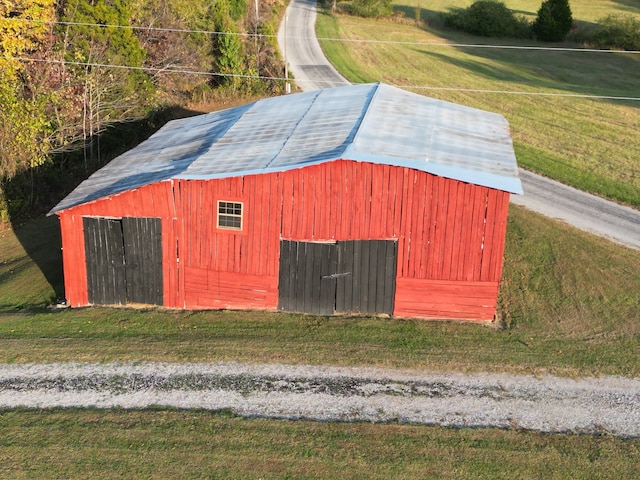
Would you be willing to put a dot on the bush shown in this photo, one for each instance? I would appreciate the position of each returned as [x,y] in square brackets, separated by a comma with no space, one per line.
[554,21]
[618,31]
[371,8]
[487,18]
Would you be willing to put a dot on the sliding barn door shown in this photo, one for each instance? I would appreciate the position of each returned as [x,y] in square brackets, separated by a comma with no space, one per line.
[368,280]
[307,281]
[344,277]
[104,251]
[143,259]
[124,260]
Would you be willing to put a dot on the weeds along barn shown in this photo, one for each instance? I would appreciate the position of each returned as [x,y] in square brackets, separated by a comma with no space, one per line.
[363,198]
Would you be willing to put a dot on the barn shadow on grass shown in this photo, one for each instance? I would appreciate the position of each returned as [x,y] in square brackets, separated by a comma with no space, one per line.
[40,238]
[32,194]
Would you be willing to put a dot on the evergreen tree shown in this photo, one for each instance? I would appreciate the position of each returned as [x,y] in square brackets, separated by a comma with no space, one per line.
[228,51]
[554,21]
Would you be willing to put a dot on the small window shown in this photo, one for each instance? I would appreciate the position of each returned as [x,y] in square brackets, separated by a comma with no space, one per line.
[230,215]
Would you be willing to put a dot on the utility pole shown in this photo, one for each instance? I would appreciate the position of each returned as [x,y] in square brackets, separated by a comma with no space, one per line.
[256,39]
[287,86]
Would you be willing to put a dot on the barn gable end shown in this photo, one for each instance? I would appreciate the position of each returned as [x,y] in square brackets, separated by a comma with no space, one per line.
[432,245]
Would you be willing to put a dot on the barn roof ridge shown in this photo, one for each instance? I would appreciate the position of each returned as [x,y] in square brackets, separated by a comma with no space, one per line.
[370,100]
[372,122]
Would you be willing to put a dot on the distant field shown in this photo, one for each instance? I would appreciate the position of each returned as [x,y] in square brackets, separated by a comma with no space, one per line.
[583,10]
[591,144]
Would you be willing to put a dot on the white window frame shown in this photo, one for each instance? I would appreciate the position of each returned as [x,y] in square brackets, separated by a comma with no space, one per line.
[233,211]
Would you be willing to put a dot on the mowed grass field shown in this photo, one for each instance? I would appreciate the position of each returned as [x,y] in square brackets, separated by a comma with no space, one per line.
[570,305]
[589,143]
[174,444]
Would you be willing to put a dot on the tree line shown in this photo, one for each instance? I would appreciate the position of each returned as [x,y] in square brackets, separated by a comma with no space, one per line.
[71,68]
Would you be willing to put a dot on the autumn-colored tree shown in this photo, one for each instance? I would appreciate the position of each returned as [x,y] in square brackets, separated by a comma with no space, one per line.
[107,59]
[23,24]
[24,127]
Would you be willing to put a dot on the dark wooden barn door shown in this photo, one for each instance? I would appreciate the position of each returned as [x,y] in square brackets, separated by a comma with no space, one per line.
[368,283]
[143,259]
[347,276]
[124,260]
[104,250]
[307,280]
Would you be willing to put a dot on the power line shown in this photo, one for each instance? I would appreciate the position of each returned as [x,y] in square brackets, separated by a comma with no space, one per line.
[134,27]
[330,39]
[144,69]
[512,92]
[479,45]
[260,77]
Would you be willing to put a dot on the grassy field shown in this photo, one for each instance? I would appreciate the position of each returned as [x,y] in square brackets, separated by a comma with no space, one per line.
[161,444]
[588,143]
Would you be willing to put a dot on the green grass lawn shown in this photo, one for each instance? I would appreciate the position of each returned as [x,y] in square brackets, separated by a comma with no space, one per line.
[163,444]
[588,143]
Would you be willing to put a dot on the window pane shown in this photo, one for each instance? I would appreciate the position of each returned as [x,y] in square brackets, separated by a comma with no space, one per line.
[230,215]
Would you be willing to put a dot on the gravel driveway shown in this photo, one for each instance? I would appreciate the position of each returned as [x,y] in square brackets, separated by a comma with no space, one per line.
[548,404]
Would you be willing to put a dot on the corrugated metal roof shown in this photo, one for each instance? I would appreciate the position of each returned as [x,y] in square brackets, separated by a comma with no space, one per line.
[370,122]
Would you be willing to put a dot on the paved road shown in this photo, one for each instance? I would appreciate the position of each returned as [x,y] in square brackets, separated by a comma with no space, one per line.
[312,71]
[302,52]
[592,214]
[549,404]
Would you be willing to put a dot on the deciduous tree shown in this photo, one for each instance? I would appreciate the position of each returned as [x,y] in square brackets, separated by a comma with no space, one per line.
[24,127]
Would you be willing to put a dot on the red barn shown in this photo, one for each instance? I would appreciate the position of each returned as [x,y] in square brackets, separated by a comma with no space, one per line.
[365,199]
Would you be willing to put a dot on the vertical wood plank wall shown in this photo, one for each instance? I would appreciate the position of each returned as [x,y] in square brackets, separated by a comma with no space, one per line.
[450,234]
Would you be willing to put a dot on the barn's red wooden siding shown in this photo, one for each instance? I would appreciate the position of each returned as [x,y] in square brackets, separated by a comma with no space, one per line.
[156,200]
[450,234]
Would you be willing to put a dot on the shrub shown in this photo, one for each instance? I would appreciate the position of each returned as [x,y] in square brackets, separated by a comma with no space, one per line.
[554,21]
[371,8]
[618,31]
[487,18]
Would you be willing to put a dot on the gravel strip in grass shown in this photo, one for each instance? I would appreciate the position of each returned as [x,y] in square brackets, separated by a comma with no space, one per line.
[548,403]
